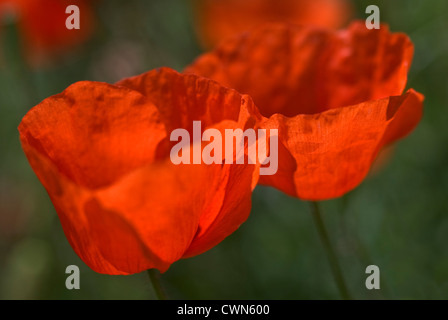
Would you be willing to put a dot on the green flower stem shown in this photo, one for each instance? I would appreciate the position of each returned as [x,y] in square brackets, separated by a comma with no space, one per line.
[331,255]
[154,276]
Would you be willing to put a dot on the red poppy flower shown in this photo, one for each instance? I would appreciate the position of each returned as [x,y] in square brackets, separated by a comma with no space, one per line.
[102,153]
[220,19]
[335,97]
[42,25]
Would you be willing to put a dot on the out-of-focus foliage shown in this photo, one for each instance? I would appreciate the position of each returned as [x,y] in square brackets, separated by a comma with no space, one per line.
[397,219]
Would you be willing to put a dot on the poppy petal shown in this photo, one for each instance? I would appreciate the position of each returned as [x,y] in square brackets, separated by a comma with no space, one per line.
[165,89]
[334,150]
[94,132]
[72,204]
[166,215]
[233,210]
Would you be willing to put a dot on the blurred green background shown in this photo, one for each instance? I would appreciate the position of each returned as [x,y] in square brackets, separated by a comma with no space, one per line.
[397,219]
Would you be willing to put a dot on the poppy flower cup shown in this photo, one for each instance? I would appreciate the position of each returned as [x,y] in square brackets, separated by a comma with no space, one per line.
[336,98]
[218,20]
[103,154]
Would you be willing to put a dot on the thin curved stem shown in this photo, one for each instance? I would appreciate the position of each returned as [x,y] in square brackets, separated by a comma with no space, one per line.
[154,276]
[331,255]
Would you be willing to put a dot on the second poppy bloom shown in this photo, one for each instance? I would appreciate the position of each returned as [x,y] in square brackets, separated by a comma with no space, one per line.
[336,98]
